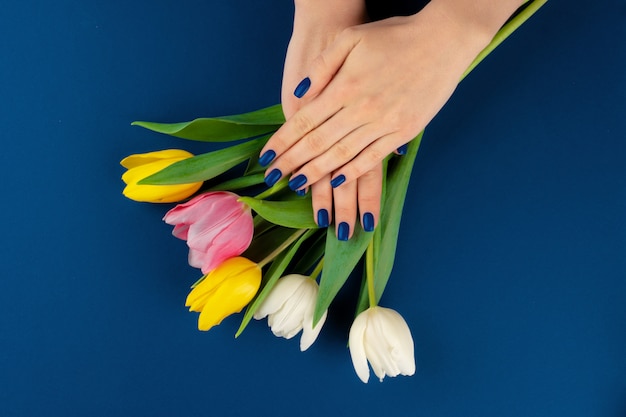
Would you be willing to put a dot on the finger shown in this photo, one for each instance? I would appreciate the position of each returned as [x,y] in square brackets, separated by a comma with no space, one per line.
[323,68]
[367,159]
[302,122]
[345,203]
[338,155]
[327,64]
[322,198]
[402,150]
[334,136]
[369,191]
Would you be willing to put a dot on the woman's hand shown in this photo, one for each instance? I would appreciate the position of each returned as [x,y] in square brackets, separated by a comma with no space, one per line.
[316,26]
[376,87]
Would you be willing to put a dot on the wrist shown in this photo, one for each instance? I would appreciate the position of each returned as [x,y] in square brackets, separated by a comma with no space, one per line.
[479,20]
[329,14]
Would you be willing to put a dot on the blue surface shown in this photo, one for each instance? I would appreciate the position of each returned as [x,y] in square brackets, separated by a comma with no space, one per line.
[511,270]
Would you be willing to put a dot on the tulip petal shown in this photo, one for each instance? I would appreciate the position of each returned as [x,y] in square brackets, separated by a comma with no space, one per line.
[287,321]
[154,193]
[216,227]
[310,333]
[227,289]
[283,289]
[136,160]
[398,336]
[357,347]
[229,298]
[377,346]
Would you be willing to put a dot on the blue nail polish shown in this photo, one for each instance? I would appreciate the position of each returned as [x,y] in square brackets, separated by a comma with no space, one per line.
[336,182]
[273,177]
[402,149]
[343,231]
[322,218]
[267,157]
[297,182]
[368,222]
[301,192]
[302,88]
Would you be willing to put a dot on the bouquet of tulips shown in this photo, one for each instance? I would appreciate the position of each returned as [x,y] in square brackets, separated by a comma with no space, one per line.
[260,249]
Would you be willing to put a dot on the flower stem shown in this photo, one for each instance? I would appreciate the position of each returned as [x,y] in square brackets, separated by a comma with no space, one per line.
[269,258]
[369,273]
[505,31]
[317,270]
[273,190]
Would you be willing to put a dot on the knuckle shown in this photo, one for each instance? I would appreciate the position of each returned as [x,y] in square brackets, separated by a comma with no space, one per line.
[374,156]
[313,173]
[320,63]
[315,141]
[287,163]
[303,123]
[343,151]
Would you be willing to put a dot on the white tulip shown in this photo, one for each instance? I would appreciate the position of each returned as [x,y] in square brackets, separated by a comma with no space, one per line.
[290,306]
[381,336]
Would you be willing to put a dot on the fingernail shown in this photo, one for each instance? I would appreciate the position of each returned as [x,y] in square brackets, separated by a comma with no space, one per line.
[336,182]
[273,177]
[368,222]
[322,218]
[402,149]
[297,182]
[301,192]
[267,157]
[302,88]
[343,231]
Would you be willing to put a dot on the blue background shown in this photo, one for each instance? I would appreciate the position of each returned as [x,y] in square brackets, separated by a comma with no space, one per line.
[511,268]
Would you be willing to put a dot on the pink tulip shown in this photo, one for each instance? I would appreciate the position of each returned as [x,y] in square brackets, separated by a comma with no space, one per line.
[216,227]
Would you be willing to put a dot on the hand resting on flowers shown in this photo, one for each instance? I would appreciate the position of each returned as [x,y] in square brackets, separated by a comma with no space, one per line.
[373,89]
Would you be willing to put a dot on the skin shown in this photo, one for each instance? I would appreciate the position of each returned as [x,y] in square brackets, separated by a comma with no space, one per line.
[374,87]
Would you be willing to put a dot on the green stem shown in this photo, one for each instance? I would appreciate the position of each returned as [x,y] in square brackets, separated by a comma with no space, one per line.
[269,258]
[273,190]
[317,270]
[504,33]
[369,273]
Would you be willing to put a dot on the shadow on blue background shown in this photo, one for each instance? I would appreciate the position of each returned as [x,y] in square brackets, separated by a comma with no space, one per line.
[511,269]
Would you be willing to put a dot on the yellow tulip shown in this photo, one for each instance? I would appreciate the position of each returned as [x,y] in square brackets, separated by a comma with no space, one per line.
[224,291]
[143,165]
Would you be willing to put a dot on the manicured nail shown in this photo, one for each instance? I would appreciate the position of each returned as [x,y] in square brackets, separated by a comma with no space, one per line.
[322,218]
[297,182]
[302,88]
[267,157]
[402,149]
[368,222]
[343,231]
[301,192]
[336,182]
[273,177]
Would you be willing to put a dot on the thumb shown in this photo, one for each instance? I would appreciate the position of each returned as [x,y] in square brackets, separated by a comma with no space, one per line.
[326,65]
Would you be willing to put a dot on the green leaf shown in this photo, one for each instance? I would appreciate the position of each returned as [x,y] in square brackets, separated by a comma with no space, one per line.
[297,214]
[206,166]
[271,277]
[223,129]
[339,261]
[264,244]
[398,176]
[239,183]
[313,254]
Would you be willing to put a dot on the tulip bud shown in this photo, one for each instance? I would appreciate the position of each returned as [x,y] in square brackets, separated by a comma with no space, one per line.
[381,336]
[224,291]
[290,306]
[141,166]
[216,226]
